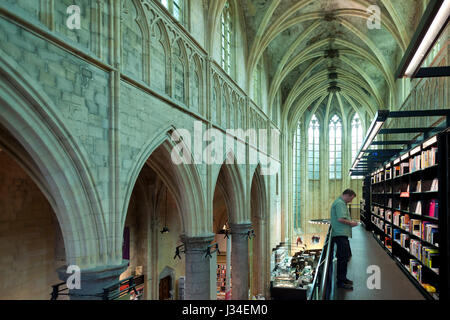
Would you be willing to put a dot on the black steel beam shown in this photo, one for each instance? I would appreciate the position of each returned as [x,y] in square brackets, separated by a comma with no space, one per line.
[383,151]
[390,142]
[419,113]
[432,72]
[403,130]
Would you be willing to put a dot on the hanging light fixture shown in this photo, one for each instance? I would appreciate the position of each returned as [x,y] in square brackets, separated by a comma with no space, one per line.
[165,229]
[431,26]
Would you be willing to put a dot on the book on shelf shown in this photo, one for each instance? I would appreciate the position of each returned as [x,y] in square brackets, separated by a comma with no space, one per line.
[418,207]
[375,210]
[404,168]
[430,257]
[433,206]
[396,171]
[419,186]
[388,229]
[429,158]
[415,227]
[435,185]
[415,248]
[404,241]
[390,203]
[414,163]
[404,222]
[388,242]
[396,234]
[419,273]
[414,267]
[387,174]
[430,232]
[397,216]
[389,215]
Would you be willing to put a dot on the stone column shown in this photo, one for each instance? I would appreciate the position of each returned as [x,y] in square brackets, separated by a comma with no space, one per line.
[92,281]
[239,261]
[198,268]
[228,270]
[260,254]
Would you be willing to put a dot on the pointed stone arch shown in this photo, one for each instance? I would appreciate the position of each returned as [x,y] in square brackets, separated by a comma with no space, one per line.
[48,152]
[160,49]
[231,182]
[183,180]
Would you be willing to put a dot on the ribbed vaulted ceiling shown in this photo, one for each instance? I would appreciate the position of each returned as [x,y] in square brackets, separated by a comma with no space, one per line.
[312,45]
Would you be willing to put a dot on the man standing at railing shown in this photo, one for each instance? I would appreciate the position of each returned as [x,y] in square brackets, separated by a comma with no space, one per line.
[342,225]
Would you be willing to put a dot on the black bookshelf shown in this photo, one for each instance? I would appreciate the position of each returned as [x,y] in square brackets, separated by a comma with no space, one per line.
[402,198]
[365,204]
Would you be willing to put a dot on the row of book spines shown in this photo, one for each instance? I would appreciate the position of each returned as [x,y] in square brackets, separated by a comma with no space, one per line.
[433,209]
[428,256]
[415,268]
[426,159]
[425,230]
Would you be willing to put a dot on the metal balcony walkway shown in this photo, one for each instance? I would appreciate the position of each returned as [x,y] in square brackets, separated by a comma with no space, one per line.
[395,285]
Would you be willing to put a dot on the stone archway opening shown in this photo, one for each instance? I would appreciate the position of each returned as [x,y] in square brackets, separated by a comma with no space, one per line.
[223,238]
[31,242]
[153,227]
[231,234]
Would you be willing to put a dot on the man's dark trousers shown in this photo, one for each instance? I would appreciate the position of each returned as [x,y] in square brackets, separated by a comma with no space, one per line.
[343,254]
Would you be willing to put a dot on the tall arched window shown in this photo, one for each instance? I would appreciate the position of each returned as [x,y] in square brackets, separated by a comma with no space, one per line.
[176,8]
[335,140]
[313,149]
[357,135]
[226,38]
[296,176]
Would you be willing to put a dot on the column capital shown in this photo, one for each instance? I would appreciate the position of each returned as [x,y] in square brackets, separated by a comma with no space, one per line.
[240,228]
[196,243]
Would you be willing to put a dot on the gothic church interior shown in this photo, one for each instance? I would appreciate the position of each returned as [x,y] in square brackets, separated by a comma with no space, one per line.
[169,139]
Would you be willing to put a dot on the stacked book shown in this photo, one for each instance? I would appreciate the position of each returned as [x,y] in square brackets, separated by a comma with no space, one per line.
[430,233]
[404,222]
[415,248]
[430,258]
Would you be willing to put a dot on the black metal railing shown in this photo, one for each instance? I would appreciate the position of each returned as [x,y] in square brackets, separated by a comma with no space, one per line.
[322,287]
[129,288]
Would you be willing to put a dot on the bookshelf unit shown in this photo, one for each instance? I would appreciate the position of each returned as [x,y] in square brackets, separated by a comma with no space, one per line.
[408,213]
[221,280]
[365,204]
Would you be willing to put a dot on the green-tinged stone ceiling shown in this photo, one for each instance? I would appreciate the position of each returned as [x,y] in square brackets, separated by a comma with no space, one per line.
[306,42]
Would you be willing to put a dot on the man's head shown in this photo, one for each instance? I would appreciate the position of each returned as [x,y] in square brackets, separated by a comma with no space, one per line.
[348,195]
